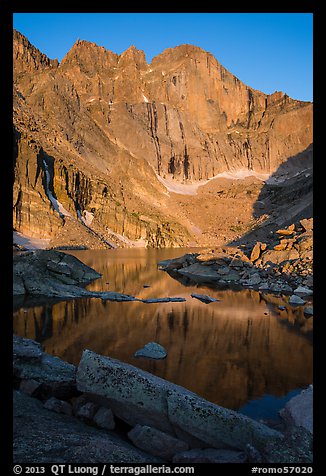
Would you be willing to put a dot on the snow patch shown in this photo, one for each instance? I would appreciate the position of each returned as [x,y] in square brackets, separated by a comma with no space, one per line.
[56,204]
[86,218]
[132,243]
[241,174]
[145,98]
[29,242]
[91,100]
[192,189]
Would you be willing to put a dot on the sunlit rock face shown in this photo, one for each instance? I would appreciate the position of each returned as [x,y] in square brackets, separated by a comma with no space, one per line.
[109,127]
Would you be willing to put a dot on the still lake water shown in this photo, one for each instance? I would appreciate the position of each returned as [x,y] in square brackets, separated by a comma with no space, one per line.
[242,352]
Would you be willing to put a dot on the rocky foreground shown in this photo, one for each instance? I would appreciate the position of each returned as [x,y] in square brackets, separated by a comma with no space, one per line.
[107,411]
[283,265]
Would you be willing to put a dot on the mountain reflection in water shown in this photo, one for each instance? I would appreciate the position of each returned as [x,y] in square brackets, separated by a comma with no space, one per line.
[229,352]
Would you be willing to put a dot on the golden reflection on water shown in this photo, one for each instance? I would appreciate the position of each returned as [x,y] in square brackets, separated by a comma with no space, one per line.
[229,352]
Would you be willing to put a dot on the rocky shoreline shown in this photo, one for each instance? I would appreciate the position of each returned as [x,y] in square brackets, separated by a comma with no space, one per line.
[284,265]
[108,411]
[105,410]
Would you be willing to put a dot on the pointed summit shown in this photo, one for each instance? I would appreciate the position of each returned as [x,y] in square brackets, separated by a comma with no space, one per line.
[132,54]
[89,57]
[27,57]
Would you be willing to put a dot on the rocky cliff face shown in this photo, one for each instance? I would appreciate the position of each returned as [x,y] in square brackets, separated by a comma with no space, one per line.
[97,134]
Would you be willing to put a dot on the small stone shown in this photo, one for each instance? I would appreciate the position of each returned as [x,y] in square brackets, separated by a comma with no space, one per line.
[275,288]
[296,300]
[87,411]
[30,387]
[286,288]
[236,263]
[280,247]
[254,279]
[104,418]
[156,442]
[256,251]
[58,406]
[224,270]
[303,290]
[210,455]
[264,286]
[308,311]
[307,224]
[152,350]
[232,276]
[285,232]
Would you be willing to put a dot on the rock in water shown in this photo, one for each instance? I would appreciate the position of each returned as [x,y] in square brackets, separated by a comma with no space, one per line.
[152,350]
[51,273]
[204,298]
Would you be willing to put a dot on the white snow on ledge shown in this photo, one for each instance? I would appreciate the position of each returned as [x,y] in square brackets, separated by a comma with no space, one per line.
[29,242]
[192,188]
[141,243]
[145,98]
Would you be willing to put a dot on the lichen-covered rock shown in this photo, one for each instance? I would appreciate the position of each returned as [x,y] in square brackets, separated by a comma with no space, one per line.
[139,397]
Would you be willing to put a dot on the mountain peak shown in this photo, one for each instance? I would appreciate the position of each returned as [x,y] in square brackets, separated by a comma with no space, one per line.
[28,57]
[89,56]
[133,55]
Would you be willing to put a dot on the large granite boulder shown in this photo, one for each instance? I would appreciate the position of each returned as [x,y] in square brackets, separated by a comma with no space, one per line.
[299,410]
[138,397]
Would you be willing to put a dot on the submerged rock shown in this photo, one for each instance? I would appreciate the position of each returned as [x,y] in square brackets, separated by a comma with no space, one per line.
[152,350]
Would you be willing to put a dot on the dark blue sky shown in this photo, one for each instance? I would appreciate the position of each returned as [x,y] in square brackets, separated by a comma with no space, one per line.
[268,51]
